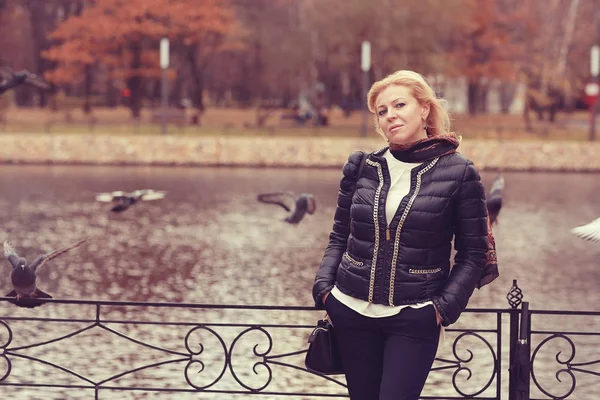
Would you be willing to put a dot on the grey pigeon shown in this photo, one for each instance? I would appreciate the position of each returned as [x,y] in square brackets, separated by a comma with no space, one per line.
[297,206]
[494,199]
[589,231]
[24,276]
[10,79]
[124,200]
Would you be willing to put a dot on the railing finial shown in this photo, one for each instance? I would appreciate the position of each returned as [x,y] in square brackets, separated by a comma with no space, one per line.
[515,295]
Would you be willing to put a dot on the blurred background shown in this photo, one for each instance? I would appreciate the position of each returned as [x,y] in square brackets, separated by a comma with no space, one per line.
[515,67]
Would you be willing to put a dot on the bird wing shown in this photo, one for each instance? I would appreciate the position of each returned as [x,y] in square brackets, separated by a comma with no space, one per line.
[9,250]
[11,254]
[148,194]
[25,76]
[589,231]
[11,82]
[53,254]
[497,186]
[35,80]
[287,200]
[112,196]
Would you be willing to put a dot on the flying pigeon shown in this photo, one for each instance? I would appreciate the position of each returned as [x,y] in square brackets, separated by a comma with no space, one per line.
[125,200]
[23,276]
[589,231]
[494,199]
[10,79]
[297,206]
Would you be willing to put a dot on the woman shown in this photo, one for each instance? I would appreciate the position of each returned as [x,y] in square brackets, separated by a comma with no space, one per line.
[385,278]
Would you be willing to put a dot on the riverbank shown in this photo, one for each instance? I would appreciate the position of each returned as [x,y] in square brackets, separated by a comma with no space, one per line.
[320,152]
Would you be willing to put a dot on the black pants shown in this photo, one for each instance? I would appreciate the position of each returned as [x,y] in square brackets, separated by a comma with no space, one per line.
[385,358]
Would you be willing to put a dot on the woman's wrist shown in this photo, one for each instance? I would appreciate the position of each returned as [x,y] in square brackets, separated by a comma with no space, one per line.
[438,316]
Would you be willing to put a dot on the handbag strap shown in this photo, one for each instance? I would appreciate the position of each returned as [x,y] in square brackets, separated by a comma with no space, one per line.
[359,173]
[361,166]
[360,169]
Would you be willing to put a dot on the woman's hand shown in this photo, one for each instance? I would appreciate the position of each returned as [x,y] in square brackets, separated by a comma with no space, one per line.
[325,298]
[438,316]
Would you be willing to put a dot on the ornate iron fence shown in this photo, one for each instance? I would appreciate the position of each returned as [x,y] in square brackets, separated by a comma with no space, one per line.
[569,349]
[95,349]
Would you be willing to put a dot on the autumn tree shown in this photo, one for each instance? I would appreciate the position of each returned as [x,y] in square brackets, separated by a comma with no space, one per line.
[483,47]
[123,36]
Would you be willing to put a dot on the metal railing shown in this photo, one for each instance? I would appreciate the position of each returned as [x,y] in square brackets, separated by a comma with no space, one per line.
[101,347]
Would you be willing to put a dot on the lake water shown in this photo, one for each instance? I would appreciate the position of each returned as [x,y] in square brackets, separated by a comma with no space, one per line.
[211,242]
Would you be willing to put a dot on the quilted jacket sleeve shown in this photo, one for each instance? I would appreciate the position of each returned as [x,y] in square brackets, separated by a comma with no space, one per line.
[471,244]
[338,237]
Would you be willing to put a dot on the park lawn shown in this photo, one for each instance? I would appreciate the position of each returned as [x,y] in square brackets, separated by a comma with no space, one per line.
[233,122]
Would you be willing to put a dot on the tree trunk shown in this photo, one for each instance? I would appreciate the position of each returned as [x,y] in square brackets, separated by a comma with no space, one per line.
[112,94]
[134,82]
[40,23]
[87,88]
[472,97]
[176,94]
[197,78]
[483,90]
[567,38]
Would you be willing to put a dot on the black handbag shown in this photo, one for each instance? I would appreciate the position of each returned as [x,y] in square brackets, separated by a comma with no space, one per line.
[323,356]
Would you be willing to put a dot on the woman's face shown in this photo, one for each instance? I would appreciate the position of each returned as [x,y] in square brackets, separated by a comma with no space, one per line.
[400,116]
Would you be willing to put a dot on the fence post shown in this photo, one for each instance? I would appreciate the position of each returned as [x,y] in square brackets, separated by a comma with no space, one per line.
[515,298]
[524,359]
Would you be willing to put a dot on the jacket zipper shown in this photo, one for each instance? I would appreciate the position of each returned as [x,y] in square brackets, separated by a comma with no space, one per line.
[376,222]
[399,229]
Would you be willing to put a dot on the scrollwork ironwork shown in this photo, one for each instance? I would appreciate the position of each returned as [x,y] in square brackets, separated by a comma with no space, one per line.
[257,353]
[3,346]
[561,371]
[461,361]
[242,355]
[193,354]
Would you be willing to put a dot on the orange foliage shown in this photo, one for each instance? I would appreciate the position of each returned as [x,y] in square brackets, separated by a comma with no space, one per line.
[491,41]
[111,31]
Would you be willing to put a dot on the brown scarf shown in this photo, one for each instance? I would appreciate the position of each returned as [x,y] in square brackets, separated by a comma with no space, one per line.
[425,149]
[490,271]
[436,146]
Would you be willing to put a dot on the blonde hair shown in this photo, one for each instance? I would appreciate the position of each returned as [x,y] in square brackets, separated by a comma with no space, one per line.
[438,120]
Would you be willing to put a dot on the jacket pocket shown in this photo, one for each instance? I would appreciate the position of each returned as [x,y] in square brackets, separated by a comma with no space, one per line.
[421,271]
[355,266]
[353,261]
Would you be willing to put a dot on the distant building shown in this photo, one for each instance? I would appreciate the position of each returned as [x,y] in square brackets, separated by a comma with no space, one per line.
[454,90]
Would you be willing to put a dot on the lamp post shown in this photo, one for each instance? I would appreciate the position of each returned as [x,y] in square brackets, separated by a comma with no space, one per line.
[164,64]
[365,66]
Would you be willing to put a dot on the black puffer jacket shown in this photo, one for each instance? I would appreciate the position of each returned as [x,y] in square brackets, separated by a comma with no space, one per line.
[411,253]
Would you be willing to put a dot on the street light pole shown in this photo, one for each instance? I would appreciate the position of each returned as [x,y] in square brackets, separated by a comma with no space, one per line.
[164,65]
[365,66]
